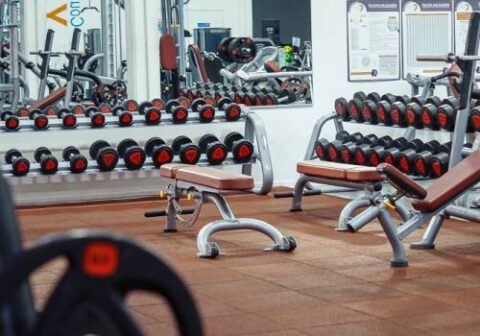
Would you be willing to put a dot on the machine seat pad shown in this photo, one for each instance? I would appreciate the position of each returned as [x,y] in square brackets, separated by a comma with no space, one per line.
[50,99]
[209,177]
[458,179]
[339,171]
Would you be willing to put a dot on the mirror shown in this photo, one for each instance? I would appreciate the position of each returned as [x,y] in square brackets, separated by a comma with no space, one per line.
[256,52]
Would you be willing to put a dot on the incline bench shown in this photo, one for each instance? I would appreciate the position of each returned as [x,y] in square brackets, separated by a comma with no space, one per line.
[341,175]
[203,185]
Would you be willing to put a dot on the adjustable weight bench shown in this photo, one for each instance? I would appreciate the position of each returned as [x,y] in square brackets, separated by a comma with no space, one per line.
[435,203]
[204,185]
[341,175]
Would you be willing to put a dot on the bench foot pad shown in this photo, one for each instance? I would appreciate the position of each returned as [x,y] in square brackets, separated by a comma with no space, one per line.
[422,246]
[399,264]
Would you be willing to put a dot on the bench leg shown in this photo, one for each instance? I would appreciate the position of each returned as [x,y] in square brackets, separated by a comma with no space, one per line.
[364,218]
[298,194]
[399,257]
[350,208]
[428,239]
[208,249]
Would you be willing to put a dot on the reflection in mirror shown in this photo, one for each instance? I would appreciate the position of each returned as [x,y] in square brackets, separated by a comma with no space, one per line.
[246,50]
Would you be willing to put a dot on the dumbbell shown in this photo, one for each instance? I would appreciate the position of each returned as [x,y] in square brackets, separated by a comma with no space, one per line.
[369,108]
[178,111]
[153,115]
[105,108]
[233,111]
[69,120]
[408,158]
[384,107]
[392,154]
[322,145]
[133,155]
[40,121]
[286,96]
[158,103]
[125,118]
[159,151]
[78,162]
[12,123]
[130,105]
[51,111]
[241,148]
[363,153]
[342,105]
[205,108]
[20,165]
[430,111]
[399,109]
[414,111]
[348,149]
[215,150]
[48,162]
[23,112]
[188,152]
[104,154]
[355,106]
[474,118]
[97,119]
[78,109]
[335,148]
[422,162]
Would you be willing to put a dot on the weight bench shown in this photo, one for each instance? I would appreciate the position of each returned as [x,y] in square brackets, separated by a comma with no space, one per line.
[341,175]
[433,203]
[204,185]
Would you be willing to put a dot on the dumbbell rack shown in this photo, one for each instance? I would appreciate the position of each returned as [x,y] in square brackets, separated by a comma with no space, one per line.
[65,187]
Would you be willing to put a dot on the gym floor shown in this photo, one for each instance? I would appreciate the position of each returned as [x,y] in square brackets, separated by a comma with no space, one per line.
[333,284]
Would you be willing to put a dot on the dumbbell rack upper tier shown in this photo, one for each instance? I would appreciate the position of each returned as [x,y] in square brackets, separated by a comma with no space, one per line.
[254,131]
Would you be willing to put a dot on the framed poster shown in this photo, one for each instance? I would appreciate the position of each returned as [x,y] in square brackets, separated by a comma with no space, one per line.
[373,40]
[427,30]
[462,12]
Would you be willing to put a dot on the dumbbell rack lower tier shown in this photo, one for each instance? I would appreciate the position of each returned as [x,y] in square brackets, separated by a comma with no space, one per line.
[93,185]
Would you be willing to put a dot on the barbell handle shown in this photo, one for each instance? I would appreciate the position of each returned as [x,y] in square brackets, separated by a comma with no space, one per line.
[436,58]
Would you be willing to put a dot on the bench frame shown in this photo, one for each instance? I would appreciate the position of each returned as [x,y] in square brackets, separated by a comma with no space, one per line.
[200,194]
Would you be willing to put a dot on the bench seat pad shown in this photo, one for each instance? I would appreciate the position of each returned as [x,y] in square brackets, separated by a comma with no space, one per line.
[207,176]
[339,171]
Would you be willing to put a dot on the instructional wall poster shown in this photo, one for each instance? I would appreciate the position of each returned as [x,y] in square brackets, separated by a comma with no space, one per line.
[427,30]
[373,40]
[462,11]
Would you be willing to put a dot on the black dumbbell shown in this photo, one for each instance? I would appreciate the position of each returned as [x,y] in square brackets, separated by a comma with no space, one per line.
[392,154]
[159,151]
[125,118]
[371,144]
[12,123]
[133,155]
[414,112]
[286,96]
[321,149]
[78,163]
[348,149]
[188,152]
[23,112]
[97,118]
[78,109]
[48,162]
[130,105]
[407,158]
[355,106]
[104,154]
[398,112]
[475,119]
[430,111]
[422,162]
[40,120]
[215,150]
[233,111]
[153,115]
[341,109]
[241,148]
[336,149]
[158,103]
[179,113]
[369,108]
[20,165]
[51,111]
[206,110]
[69,120]
[384,108]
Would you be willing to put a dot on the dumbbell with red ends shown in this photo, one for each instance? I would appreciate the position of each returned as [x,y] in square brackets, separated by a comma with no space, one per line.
[132,154]
[414,111]
[178,111]
[341,105]
[335,150]
[97,118]
[205,108]
[440,162]
[430,111]
[159,151]
[370,107]
[447,117]
[48,162]
[40,120]
[215,150]
[407,158]
[392,154]
[398,111]
[233,111]
[422,162]
[20,165]
[474,119]
[153,115]
[12,122]
[347,149]
[384,108]
[23,112]
[355,106]
[77,162]
[371,144]
[241,148]
[69,120]
[104,154]
[125,118]
[130,105]
[188,152]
